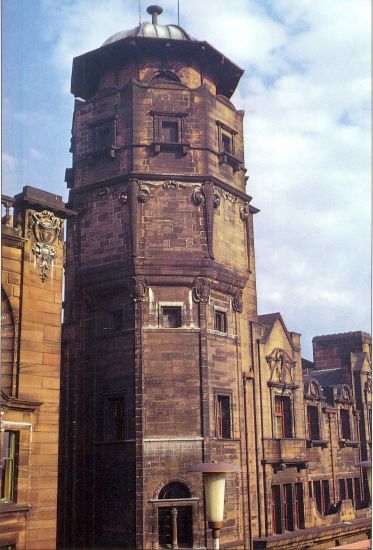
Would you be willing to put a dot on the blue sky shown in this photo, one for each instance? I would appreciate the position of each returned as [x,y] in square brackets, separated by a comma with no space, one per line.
[306,95]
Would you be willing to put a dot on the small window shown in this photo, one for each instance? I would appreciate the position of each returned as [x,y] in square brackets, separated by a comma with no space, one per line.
[283,417]
[287,495]
[221,321]
[350,489]
[169,131]
[318,495]
[299,506]
[116,418]
[357,491]
[226,143]
[9,466]
[171,317]
[345,423]
[223,416]
[342,489]
[310,492]
[104,136]
[276,510]
[313,423]
[325,496]
[116,319]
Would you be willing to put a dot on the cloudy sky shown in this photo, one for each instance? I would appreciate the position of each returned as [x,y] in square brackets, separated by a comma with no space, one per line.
[306,95]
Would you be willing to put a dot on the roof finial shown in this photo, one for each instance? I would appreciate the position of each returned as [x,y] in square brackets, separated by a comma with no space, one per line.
[154,11]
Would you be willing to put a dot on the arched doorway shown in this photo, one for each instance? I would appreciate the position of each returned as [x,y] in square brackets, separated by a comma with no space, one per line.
[175,521]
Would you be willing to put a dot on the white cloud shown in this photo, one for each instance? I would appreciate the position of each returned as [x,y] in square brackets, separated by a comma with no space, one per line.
[35,154]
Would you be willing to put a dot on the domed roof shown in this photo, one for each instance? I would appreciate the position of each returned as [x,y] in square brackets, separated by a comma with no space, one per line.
[148,30]
[151,30]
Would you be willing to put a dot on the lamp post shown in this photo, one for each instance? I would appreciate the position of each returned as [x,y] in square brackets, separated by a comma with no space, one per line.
[367,467]
[214,483]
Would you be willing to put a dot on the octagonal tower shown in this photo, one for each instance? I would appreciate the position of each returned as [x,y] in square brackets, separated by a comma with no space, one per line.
[160,291]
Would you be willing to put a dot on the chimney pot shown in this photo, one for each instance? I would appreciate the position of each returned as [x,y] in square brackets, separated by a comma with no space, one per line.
[154,11]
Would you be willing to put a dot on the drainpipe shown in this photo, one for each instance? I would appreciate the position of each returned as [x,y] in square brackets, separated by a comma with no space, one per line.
[256,437]
[245,380]
[329,413]
[262,438]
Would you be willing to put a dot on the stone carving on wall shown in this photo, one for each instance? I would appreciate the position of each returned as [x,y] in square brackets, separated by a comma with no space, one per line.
[201,290]
[143,194]
[343,394]
[244,211]
[237,303]
[198,196]
[313,391]
[282,367]
[46,228]
[139,289]
[173,184]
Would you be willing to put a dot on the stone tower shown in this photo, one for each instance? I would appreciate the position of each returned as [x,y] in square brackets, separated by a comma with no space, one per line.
[160,292]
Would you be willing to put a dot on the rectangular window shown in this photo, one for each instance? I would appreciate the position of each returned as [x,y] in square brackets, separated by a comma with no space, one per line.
[345,423]
[283,417]
[116,319]
[317,495]
[342,489]
[310,492]
[104,136]
[223,416]
[350,489]
[369,425]
[325,496]
[171,317]
[276,509]
[288,507]
[9,466]
[116,418]
[313,422]
[299,506]
[169,131]
[357,490]
[226,143]
[220,321]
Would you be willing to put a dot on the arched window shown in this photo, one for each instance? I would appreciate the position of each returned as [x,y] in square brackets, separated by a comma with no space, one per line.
[174,490]
[165,77]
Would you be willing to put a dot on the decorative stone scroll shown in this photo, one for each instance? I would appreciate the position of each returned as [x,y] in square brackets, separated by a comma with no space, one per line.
[282,367]
[237,302]
[201,290]
[46,228]
[173,184]
[139,289]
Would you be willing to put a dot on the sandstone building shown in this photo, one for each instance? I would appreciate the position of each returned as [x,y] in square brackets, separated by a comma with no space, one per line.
[31,305]
[165,360]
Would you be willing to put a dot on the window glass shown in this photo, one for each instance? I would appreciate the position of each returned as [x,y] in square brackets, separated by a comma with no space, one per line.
[223,416]
[9,466]
[342,489]
[299,506]
[317,495]
[220,321]
[345,423]
[288,507]
[226,142]
[170,131]
[283,417]
[116,419]
[104,136]
[276,509]
[171,317]
[313,422]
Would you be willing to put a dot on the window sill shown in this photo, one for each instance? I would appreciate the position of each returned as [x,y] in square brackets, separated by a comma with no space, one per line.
[175,146]
[317,443]
[348,443]
[228,158]
[13,508]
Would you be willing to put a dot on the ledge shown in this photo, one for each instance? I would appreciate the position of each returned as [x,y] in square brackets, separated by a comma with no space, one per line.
[228,158]
[176,146]
[13,508]
[348,443]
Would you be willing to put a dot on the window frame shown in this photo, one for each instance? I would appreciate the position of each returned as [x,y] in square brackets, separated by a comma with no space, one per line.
[171,305]
[281,414]
[218,429]
[345,420]
[287,507]
[109,124]
[316,420]
[109,419]
[223,314]
[13,461]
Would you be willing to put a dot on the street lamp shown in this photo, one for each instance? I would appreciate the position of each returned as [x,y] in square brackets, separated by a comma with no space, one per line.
[214,483]
[367,466]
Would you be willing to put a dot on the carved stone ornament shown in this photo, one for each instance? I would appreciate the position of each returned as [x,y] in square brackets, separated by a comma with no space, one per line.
[173,184]
[281,366]
[123,197]
[244,211]
[143,194]
[140,289]
[237,303]
[201,290]
[313,391]
[368,386]
[216,201]
[46,229]
[198,196]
